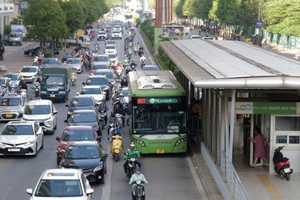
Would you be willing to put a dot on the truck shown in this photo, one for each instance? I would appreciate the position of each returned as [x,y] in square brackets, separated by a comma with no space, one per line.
[81,41]
[56,83]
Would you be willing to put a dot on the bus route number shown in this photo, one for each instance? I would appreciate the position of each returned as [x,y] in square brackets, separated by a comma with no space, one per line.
[141,101]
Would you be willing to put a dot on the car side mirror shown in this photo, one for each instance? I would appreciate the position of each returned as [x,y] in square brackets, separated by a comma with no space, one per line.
[55,112]
[67,105]
[66,121]
[29,191]
[57,138]
[83,83]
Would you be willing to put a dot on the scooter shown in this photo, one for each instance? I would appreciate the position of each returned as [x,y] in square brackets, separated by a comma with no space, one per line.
[138,191]
[132,164]
[282,164]
[37,89]
[116,147]
[102,115]
[73,77]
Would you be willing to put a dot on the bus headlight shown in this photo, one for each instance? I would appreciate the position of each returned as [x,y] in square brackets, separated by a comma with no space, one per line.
[178,142]
[140,142]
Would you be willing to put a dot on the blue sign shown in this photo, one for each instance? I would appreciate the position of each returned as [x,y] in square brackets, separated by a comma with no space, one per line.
[259,23]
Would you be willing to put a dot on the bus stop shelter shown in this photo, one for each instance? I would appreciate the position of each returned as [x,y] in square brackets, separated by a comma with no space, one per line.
[241,86]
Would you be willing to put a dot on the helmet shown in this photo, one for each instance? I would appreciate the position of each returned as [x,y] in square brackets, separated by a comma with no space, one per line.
[137,169]
[132,144]
[22,79]
[112,115]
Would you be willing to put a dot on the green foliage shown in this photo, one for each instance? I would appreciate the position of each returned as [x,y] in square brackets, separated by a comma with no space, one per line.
[74,15]
[188,9]
[202,8]
[45,20]
[227,11]
[7,29]
[93,10]
[178,9]
[48,54]
[148,31]
[164,61]
[282,17]
[247,13]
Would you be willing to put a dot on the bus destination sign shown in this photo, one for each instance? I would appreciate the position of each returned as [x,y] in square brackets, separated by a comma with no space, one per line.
[157,100]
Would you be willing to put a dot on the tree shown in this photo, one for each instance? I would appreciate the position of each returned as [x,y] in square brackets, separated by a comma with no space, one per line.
[282,17]
[178,9]
[202,8]
[227,11]
[187,9]
[74,15]
[93,10]
[45,20]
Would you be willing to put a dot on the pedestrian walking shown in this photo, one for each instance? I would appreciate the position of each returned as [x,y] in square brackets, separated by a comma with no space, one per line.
[260,148]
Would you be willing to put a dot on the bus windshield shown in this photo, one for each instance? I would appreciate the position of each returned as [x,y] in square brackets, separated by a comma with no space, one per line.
[159,119]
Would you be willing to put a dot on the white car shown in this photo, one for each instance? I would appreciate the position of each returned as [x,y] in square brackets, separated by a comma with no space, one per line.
[117,28]
[75,63]
[116,34]
[21,138]
[113,58]
[110,49]
[29,73]
[42,111]
[195,37]
[102,59]
[94,91]
[102,35]
[63,183]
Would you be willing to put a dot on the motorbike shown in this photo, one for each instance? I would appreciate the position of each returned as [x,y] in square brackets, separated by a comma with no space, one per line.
[23,93]
[119,71]
[113,126]
[132,164]
[102,116]
[73,76]
[37,89]
[138,192]
[282,164]
[116,147]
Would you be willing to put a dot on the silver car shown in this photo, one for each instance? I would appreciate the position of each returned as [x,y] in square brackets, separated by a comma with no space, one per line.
[21,138]
[75,63]
[11,108]
[42,111]
[57,184]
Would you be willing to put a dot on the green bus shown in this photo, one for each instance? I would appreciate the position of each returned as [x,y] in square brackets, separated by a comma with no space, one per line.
[158,112]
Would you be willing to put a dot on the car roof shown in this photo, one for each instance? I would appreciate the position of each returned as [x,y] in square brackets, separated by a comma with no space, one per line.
[92,86]
[14,96]
[78,128]
[39,102]
[84,143]
[104,70]
[30,67]
[97,76]
[84,111]
[62,173]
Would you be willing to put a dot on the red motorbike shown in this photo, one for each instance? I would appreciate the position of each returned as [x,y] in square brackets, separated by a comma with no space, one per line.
[282,164]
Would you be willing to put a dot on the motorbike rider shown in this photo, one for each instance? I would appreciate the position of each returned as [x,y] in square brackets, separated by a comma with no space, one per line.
[116,131]
[118,108]
[127,69]
[112,120]
[137,176]
[132,152]
[22,84]
[124,82]
[133,65]
[13,90]
[103,107]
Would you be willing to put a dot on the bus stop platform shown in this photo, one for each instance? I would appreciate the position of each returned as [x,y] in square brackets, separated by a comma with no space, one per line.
[258,183]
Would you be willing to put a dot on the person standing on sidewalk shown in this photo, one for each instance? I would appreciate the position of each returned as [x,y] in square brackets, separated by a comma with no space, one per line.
[260,148]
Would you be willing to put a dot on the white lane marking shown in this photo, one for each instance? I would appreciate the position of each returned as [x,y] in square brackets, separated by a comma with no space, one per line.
[197,179]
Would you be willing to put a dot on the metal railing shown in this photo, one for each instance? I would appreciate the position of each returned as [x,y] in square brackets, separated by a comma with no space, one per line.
[237,188]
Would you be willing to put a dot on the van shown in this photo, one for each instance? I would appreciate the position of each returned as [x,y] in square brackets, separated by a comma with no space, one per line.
[15,38]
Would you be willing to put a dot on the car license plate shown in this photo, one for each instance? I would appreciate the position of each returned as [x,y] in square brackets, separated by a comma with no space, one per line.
[287,170]
[160,151]
[8,116]
[52,95]
[13,150]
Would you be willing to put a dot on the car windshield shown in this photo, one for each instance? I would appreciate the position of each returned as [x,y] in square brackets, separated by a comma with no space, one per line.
[73,61]
[11,102]
[12,76]
[83,117]
[82,152]
[110,43]
[77,135]
[110,47]
[96,81]
[78,102]
[59,188]
[37,110]
[150,68]
[50,61]
[52,80]
[28,69]
[112,56]
[2,81]
[90,91]
[18,130]
[100,59]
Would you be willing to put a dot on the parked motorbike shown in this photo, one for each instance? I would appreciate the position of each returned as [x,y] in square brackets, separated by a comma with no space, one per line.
[116,147]
[138,192]
[282,164]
